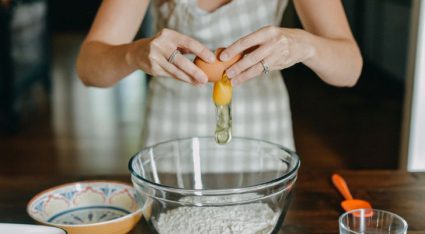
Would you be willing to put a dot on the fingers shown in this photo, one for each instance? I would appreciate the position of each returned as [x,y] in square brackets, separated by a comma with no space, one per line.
[246,42]
[175,72]
[167,42]
[190,69]
[249,60]
[195,47]
[251,72]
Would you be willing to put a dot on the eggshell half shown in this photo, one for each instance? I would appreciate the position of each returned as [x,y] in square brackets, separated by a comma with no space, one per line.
[215,70]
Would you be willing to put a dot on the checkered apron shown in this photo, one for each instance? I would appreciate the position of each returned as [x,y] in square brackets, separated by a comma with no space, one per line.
[260,106]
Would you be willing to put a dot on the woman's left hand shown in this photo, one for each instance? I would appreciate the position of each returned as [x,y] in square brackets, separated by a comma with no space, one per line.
[277,48]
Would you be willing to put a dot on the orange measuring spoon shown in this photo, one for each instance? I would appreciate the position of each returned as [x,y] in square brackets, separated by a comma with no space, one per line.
[349,203]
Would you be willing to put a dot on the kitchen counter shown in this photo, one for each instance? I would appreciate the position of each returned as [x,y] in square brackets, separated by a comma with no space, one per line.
[315,207]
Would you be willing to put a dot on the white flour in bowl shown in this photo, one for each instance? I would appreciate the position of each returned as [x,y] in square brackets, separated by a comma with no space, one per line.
[252,218]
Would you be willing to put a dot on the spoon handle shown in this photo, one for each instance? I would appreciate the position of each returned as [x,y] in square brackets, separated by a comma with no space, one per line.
[342,187]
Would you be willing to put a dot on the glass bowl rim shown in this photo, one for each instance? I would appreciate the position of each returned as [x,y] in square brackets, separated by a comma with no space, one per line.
[406,226]
[229,191]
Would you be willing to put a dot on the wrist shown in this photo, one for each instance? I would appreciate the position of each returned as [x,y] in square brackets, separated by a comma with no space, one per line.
[129,57]
[307,45]
[136,54]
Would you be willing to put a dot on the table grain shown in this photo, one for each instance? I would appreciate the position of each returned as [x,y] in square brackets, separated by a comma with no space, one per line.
[315,206]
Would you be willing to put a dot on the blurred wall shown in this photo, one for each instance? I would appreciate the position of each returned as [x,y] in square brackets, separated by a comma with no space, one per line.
[382,29]
[76,15]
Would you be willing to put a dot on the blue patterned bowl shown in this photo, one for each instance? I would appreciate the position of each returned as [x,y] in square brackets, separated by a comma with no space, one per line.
[87,207]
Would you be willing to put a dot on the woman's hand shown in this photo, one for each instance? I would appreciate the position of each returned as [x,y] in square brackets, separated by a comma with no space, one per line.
[277,48]
[152,56]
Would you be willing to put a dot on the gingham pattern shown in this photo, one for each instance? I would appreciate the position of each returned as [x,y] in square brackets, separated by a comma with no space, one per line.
[260,107]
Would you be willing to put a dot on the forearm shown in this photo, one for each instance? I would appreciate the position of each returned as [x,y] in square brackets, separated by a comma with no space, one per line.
[102,65]
[336,61]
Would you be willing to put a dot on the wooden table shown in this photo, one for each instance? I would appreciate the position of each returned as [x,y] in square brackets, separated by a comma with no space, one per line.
[315,206]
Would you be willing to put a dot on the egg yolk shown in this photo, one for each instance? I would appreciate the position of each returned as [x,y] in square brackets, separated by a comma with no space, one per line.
[222,91]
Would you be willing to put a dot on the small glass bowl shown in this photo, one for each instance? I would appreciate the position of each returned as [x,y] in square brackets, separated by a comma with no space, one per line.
[240,186]
[371,221]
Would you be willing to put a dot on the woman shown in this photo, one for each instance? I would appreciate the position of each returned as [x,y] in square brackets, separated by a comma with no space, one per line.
[197,27]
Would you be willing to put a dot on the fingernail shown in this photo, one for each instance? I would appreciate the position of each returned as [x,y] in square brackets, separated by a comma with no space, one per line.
[203,79]
[230,73]
[224,56]
[211,58]
[198,83]
[234,83]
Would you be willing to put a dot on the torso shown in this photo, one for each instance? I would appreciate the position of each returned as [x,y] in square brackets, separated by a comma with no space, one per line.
[260,106]
[210,6]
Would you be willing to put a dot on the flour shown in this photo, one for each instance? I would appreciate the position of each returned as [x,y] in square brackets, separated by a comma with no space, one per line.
[255,218]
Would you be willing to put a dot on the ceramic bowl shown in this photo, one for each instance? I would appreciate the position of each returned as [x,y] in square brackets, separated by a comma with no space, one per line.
[105,207]
[11,228]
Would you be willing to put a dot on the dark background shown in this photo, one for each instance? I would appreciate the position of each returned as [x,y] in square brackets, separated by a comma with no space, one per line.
[49,119]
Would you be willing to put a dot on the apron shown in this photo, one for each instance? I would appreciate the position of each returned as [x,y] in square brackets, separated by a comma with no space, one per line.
[260,106]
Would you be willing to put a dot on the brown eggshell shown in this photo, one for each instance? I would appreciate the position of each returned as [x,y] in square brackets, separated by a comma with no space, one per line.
[215,70]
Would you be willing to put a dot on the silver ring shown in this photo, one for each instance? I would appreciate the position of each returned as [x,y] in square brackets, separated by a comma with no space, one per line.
[266,69]
[173,56]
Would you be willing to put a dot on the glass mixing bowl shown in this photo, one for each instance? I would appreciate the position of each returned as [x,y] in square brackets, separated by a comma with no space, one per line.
[195,185]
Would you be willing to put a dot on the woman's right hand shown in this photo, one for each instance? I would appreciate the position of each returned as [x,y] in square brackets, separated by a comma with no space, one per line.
[152,56]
